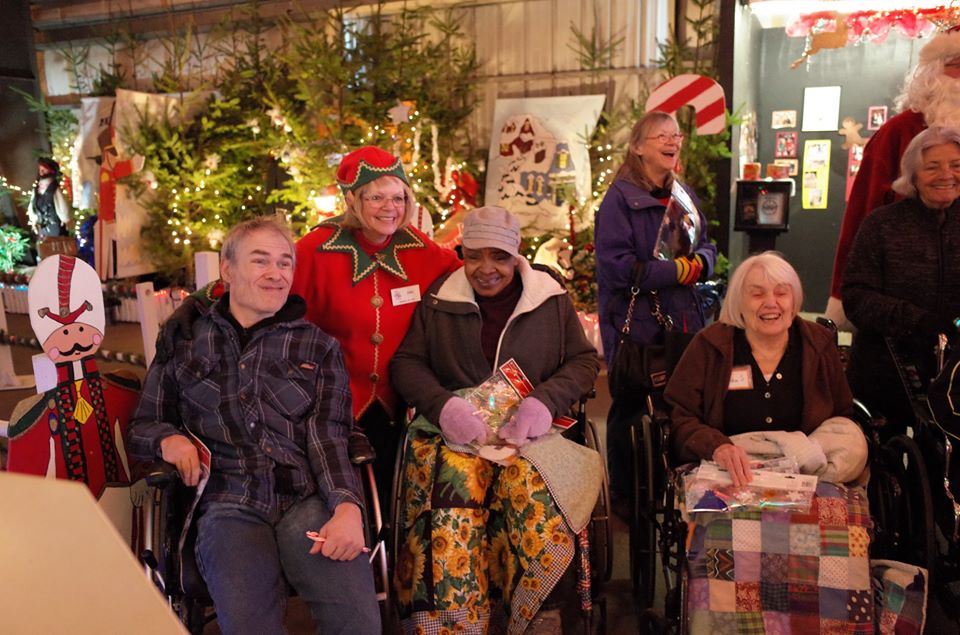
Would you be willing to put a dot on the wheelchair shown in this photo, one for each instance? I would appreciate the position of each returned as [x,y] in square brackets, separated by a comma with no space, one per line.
[660,534]
[169,559]
[593,558]
[915,487]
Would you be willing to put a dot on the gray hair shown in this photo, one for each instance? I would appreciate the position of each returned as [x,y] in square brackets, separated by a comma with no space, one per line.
[906,184]
[354,219]
[240,231]
[775,268]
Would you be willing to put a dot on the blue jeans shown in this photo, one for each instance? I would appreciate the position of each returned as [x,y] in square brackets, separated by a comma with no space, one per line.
[244,559]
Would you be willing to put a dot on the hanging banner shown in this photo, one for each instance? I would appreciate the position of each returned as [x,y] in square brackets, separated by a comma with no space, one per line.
[122,216]
[537,151]
[816,173]
[95,113]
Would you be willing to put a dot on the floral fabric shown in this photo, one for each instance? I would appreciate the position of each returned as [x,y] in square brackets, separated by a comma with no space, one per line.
[481,545]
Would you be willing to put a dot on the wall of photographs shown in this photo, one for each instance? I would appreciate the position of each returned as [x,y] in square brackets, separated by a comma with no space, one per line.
[804,118]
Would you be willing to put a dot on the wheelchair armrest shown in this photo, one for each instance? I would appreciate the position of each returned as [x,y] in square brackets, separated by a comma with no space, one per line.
[359,448]
[157,474]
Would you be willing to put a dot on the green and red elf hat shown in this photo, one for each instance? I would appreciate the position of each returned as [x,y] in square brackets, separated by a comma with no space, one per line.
[368,164]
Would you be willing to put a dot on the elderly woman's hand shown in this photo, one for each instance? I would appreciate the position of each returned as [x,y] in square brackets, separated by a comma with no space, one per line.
[734,460]
[533,419]
[460,423]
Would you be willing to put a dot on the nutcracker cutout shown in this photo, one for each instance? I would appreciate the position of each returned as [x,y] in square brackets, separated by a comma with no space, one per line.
[75,430]
[112,168]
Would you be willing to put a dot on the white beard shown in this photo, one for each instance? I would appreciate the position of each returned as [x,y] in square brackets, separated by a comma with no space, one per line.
[941,104]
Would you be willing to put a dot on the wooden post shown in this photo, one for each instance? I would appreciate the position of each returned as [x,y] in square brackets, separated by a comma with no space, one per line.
[9,380]
[207,266]
[149,319]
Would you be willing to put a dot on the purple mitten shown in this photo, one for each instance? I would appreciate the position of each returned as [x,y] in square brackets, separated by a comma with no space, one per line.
[460,423]
[533,419]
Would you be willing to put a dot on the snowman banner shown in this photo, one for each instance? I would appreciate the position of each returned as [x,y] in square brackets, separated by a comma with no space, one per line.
[538,147]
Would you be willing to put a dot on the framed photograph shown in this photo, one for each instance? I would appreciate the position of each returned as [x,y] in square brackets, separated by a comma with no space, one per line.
[784,119]
[792,164]
[763,206]
[786,145]
[876,117]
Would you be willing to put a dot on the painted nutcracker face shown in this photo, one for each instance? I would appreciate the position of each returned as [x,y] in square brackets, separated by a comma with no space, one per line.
[489,270]
[72,342]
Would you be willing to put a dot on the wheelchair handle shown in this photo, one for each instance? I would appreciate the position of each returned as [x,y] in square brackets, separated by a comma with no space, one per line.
[157,474]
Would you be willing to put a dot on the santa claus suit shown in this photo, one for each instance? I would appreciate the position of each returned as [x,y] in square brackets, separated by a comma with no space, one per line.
[871,188]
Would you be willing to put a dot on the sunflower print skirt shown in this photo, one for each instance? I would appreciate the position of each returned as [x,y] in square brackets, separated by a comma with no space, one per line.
[481,545]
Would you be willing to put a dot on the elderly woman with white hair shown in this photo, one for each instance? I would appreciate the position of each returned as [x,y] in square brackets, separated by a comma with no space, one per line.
[902,280]
[760,368]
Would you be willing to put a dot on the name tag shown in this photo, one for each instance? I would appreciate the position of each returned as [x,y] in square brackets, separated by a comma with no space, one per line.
[405,295]
[741,378]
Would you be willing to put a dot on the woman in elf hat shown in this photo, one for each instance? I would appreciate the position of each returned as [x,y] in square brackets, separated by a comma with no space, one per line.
[361,275]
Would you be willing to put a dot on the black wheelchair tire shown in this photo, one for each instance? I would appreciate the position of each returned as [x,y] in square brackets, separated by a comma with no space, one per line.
[904,505]
[643,523]
[601,547]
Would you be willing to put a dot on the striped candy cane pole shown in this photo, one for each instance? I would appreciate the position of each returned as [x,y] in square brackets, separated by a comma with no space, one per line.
[704,94]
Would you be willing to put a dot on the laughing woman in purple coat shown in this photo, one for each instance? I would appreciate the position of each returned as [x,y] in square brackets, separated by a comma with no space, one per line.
[626,235]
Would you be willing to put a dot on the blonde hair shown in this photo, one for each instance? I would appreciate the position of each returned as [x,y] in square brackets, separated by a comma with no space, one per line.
[352,217]
[776,270]
[633,169]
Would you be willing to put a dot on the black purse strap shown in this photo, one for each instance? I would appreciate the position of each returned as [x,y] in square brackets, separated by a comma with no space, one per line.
[665,321]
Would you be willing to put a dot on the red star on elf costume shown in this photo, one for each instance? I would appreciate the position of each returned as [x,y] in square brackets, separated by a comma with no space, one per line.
[930,97]
[364,292]
[74,430]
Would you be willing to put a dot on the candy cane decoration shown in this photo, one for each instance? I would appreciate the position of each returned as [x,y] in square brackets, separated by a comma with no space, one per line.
[704,94]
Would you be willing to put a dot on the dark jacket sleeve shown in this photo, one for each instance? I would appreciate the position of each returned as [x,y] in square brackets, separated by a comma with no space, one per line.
[625,253]
[689,392]
[156,416]
[580,366]
[328,425]
[864,300]
[410,370]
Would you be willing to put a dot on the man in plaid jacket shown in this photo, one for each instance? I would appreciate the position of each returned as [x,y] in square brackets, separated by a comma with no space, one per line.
[267,393]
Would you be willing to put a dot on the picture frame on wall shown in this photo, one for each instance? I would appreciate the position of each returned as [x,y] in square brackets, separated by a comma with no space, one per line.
[876,117]
[786,147]
[784,119]
[792,164]
[763,206]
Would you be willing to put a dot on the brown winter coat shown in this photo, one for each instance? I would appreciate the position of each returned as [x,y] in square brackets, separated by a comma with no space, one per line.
[697,390]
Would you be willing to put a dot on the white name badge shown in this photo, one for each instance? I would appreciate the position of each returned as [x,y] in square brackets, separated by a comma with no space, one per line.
[405,295]
[741,378]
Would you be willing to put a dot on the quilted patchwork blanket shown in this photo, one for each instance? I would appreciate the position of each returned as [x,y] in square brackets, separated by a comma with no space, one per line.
[784,572]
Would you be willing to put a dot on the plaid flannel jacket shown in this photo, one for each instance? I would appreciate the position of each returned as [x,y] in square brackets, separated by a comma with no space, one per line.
[275,414]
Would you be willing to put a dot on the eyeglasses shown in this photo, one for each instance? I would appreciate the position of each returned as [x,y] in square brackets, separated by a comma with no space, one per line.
[667,138]
[378,200]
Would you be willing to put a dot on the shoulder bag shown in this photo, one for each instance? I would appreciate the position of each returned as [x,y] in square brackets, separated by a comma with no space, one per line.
[637,369]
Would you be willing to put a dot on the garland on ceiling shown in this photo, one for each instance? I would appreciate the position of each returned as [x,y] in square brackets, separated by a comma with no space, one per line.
[874,26]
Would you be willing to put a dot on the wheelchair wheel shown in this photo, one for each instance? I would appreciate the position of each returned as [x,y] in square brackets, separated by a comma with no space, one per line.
[899,494]
[643,525]
[601,545]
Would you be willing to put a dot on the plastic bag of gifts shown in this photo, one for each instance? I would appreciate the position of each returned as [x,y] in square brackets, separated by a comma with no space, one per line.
[776,485]
[680,229]
[496,401]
